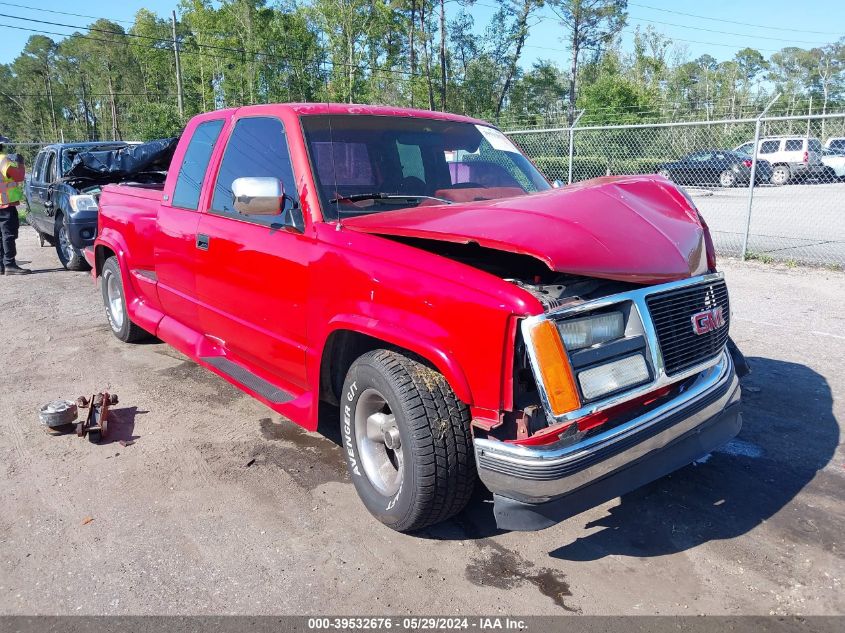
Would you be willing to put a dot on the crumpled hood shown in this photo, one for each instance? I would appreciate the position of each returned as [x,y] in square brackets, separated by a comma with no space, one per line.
[629,228]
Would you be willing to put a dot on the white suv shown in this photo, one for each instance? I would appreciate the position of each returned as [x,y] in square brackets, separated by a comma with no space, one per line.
[791,157]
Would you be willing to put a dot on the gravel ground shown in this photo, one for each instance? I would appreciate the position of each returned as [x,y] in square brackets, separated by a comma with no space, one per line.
[220,506]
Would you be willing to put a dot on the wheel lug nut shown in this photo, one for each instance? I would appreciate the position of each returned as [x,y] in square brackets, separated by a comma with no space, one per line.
[391,438]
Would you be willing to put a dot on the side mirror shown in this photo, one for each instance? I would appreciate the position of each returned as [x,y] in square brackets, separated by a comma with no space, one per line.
[557,184]
[258,196]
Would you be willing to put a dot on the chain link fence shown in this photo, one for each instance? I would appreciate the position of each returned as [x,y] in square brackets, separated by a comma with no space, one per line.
[796,211]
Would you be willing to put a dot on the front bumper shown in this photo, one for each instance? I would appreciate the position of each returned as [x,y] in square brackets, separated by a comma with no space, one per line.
[82,228]
[535,488]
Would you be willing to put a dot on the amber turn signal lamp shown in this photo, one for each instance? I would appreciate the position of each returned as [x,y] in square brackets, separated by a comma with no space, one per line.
[554,368]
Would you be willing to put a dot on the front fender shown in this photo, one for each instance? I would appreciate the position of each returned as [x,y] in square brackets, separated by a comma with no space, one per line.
[395,334]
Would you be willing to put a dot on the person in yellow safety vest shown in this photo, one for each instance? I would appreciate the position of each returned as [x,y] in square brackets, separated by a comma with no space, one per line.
[11,193]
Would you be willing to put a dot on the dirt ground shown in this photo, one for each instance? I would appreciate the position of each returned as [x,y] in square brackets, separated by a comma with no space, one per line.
[222,507]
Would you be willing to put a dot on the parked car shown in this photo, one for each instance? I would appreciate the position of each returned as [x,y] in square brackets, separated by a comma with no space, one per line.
[62,212]
[566,345]
[836,143]
[714,167]
[835,162]
[793,158]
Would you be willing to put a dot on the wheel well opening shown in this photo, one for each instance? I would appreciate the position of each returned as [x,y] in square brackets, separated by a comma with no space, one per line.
[101,254]
[341,350]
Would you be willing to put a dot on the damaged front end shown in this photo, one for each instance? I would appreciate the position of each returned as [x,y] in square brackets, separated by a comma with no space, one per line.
[610,391]
[622,369]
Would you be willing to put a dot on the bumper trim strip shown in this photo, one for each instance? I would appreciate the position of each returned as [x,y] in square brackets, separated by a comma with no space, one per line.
[535,475]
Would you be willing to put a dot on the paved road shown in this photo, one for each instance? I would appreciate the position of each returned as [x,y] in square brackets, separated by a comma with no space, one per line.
[805,223]
[220,506]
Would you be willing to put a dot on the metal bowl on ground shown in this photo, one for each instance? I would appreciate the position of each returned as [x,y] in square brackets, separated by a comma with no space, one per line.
[58,414]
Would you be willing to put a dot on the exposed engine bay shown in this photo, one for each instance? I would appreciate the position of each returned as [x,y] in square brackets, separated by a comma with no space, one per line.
[552,289]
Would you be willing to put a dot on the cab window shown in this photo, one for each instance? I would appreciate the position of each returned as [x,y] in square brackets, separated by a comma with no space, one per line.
[769,147]
[50,169]
[38,169]
[257,148]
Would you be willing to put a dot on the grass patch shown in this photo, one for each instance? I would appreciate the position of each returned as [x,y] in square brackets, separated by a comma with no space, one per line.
[22,214]
[759,257]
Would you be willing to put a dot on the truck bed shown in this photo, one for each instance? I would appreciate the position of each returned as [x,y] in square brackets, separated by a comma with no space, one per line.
[150,191]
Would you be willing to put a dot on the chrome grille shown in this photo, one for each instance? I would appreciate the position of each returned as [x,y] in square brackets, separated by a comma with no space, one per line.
[672,311]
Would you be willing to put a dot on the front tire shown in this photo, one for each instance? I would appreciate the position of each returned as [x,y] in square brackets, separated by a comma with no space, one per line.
[114,300]
[70,256]
[407,441]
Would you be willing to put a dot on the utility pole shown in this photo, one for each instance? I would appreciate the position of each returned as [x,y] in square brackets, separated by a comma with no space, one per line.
[178,67]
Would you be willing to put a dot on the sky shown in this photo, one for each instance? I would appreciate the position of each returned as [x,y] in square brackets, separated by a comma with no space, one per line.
[716,27]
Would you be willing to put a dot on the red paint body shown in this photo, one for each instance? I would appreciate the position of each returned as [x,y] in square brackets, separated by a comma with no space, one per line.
[270,299]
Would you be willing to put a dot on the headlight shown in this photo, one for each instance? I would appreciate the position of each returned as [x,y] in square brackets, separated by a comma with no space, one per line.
[589,331]
[83,202]
[613,376]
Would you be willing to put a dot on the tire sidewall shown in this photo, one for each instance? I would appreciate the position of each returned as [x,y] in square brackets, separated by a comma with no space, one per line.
[111,267]
[393,511]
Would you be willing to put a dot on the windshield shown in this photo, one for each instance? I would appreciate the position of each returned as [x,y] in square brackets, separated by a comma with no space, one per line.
[368,164]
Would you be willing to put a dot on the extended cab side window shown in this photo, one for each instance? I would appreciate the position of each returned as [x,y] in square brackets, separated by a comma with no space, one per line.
[794,145]
[257,148]
[186,194]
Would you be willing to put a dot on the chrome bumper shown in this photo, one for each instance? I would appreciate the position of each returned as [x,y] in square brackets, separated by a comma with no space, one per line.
[531,475]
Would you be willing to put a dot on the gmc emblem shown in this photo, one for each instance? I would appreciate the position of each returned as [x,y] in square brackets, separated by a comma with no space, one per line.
[707,321]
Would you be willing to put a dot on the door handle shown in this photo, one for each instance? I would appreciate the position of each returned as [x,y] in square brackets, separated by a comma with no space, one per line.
[202,242]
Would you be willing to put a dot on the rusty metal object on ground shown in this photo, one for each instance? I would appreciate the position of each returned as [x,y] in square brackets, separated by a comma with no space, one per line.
[96,423]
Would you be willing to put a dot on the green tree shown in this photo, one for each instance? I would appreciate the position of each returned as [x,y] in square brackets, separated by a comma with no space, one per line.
[590,25]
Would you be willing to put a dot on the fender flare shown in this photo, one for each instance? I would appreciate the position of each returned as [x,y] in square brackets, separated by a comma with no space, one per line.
[395,334]
[114,241]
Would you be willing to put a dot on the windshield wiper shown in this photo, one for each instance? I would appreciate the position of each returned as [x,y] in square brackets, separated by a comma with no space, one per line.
[355,197]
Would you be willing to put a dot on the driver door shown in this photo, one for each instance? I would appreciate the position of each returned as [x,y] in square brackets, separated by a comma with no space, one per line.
[252,272]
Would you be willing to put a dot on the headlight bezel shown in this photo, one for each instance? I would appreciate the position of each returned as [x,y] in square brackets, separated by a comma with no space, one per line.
[83,202]
[639,329]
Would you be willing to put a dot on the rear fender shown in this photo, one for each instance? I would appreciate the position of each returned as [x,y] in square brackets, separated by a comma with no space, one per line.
[139,311]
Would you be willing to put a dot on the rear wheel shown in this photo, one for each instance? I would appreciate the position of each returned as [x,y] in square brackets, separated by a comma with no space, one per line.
[114,300]
[70,256]
[781,175]
[407,441]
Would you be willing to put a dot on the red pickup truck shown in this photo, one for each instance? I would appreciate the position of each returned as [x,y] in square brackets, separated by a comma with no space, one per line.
[467,318]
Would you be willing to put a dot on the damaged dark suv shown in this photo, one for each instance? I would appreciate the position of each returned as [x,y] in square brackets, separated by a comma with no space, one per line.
[63,189]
